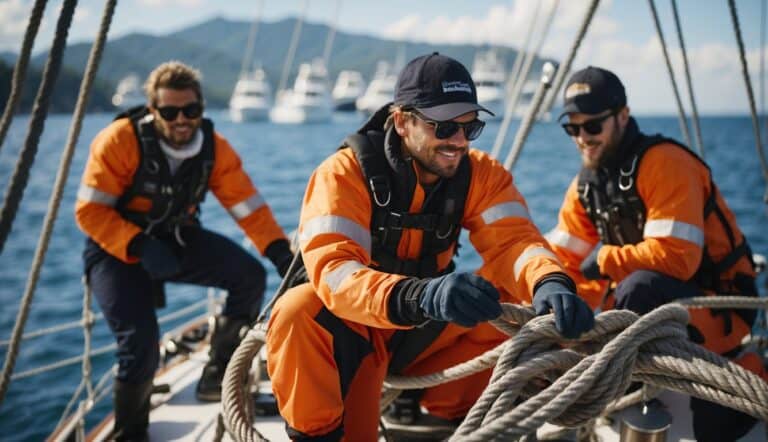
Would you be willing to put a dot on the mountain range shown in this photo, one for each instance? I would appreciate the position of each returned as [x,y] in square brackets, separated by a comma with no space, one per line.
[216,47]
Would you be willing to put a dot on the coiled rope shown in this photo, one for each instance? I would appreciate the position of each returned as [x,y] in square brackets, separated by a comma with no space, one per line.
[20,71]
[588,378]
[51,71]
[653,349]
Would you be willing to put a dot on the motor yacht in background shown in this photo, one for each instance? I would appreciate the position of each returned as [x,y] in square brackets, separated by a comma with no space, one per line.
[309,101]
[348,88]
[128,93]
[489,74]
[251,98]
[380,90]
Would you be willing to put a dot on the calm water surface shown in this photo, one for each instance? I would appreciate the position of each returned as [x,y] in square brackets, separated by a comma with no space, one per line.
[279,160]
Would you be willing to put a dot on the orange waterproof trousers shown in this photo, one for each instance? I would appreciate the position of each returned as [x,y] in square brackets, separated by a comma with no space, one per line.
[327,373]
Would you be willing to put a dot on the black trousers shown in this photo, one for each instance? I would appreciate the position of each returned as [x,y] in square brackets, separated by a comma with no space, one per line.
[125,293]
[641,292]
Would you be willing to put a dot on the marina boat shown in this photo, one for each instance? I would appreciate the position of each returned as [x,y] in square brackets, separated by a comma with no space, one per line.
[490,77]
[380,90]
[252,97]
[128,93]
[348,88]
[309,101]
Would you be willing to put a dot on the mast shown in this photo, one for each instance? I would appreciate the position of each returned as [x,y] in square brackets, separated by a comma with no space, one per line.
[249,45]
[292,48]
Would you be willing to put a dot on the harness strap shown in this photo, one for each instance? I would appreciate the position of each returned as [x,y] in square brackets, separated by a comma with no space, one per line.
[391,196]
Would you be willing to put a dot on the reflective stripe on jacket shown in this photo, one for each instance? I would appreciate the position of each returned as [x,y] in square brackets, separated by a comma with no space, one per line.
[336,240]
[109,171]
[674,187]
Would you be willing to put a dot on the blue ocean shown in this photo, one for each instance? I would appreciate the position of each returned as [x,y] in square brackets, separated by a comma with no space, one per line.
[279,159]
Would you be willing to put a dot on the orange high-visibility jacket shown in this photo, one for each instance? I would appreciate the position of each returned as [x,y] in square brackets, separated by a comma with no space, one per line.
[674,187]
[336,240]
[112,162]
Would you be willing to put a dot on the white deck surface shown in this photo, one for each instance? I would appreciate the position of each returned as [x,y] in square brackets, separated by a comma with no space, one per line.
[179,416]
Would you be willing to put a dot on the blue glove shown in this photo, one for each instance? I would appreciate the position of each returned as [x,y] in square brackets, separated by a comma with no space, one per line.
[463,298]
[589,267]
[156,257]
[572,315]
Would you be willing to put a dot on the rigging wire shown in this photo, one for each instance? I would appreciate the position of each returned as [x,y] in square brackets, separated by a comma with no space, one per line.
[18,182]
[331,35]
[249,45]
[530,117]
[565,67]
[52,68]
[689,82]
[292,48]
[671,72]
[514,78]
[750,93]
[20,71]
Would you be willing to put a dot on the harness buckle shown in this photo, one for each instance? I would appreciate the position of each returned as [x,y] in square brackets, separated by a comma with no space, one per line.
[395,221]
[447,233]
[627,175]
[379,184]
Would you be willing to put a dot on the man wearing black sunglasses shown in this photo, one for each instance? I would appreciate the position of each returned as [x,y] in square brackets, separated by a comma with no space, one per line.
[379,227]
[645,214]
[139,205]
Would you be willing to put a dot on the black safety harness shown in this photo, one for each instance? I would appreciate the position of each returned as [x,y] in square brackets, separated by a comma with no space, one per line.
[613,204]
[175,198]
[391,192]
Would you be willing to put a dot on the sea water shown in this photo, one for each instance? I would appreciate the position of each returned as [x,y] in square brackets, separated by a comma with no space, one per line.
[279,159]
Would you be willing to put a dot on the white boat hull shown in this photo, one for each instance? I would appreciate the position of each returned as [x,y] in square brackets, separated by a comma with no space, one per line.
[249,113]
[300,114]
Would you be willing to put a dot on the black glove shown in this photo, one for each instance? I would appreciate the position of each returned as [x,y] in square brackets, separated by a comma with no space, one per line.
[463,298]
[572,315]
[589,267]
[155,256]
[279,252]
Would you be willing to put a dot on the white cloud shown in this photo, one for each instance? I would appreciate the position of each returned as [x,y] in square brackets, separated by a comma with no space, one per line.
[82,15]
[14,15]
[715,67]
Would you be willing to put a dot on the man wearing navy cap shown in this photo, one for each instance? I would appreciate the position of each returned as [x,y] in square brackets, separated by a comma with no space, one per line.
[644,213]
[378,231]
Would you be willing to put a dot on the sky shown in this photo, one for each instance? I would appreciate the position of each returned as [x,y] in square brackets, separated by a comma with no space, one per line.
[621,38]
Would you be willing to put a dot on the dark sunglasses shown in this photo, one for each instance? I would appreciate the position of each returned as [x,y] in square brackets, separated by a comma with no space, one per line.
[191,111]
[447,129]
[592,127]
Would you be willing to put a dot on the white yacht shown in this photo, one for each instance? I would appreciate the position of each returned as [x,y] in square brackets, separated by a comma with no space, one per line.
[380,91]
[489,75]
[128,93]
[348,88]
[251,98]
[309,101]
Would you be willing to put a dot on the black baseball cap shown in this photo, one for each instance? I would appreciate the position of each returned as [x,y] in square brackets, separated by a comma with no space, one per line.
[593,90]
[439,87]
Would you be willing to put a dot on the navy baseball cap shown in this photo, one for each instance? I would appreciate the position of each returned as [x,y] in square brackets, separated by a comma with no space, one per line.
[439,87]
[592,91]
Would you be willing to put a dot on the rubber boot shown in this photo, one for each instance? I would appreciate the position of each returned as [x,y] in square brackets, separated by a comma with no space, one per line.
[227,334]
[131,403]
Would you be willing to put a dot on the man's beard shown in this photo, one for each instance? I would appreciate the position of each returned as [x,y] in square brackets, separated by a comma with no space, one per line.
[434,167]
